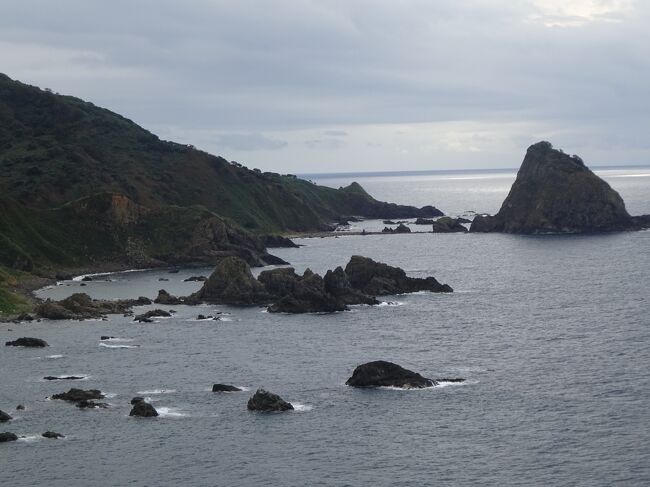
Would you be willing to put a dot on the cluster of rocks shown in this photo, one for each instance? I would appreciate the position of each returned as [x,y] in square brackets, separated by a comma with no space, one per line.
[401,228]
[285,291]
[80,306]
[149,315]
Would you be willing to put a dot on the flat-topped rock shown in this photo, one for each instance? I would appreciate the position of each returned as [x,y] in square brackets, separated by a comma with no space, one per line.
[7,437]
[225,388]
[27,342]
[387,374]
[76,395]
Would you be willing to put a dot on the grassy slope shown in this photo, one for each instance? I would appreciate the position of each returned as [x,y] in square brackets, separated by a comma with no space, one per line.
[55,149]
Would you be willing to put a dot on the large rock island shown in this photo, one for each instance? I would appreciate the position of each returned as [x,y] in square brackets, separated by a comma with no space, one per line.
[558,193]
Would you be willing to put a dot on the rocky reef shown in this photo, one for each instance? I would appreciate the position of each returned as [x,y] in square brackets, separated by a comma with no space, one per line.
[283,290]
[557,193]
[80,306]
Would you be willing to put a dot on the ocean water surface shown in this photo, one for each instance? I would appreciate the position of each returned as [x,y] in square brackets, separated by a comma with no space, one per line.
[552,334]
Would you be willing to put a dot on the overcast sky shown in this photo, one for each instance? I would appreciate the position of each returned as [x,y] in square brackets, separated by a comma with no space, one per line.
[352,85]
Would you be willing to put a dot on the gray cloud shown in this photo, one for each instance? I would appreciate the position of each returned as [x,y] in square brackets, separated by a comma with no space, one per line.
[248,142]
[465,83]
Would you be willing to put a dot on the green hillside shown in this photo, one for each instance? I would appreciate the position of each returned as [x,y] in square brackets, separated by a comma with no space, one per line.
[55,149]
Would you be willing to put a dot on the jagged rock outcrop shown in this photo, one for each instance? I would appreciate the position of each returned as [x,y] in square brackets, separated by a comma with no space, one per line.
[80,306]
[285,291]
[377,279]
[267,401]
[165,298]
[27,342]
[4,417]
[557,193]
[232,282]
[387,374]
[401,228]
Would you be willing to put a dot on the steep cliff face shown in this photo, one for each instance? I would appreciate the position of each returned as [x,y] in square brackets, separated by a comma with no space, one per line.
[557,193]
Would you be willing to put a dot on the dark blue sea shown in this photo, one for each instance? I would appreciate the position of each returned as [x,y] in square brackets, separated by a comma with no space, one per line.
[552,334]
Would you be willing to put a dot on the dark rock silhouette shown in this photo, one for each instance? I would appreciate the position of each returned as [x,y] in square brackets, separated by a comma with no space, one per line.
[85,404]
[401,228]
[4,417]
[557,193]
[143,409]
[267,401]
[66,377]
[27,342]
[154,313]
[225,388]
[52,435]
[387,374]
[165,298]
[80,306]
[195,279]
[448,225]
[377,279]
[285,291]
[7,437]
[77,395]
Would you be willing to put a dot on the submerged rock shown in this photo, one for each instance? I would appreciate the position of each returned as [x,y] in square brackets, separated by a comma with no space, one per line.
[195,279]
[84,404]
[76,395]
[225,388]
[66,377]
[267,401]
[27,342]
[4,417]
[7,437]
[387,374]
[154,313]
[143,409]
[557,193]
[20,407]
[52,435]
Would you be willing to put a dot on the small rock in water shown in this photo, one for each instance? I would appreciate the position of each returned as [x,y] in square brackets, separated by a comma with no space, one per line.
[27,342]
[4,416]
[65,377]
[387,374]
[5,437]
[53,435]
[144,410]
[163,279]
[87,278]
[20,407]
[225,388]
[106,337]
[195,278]
[77,395]
[267,401]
